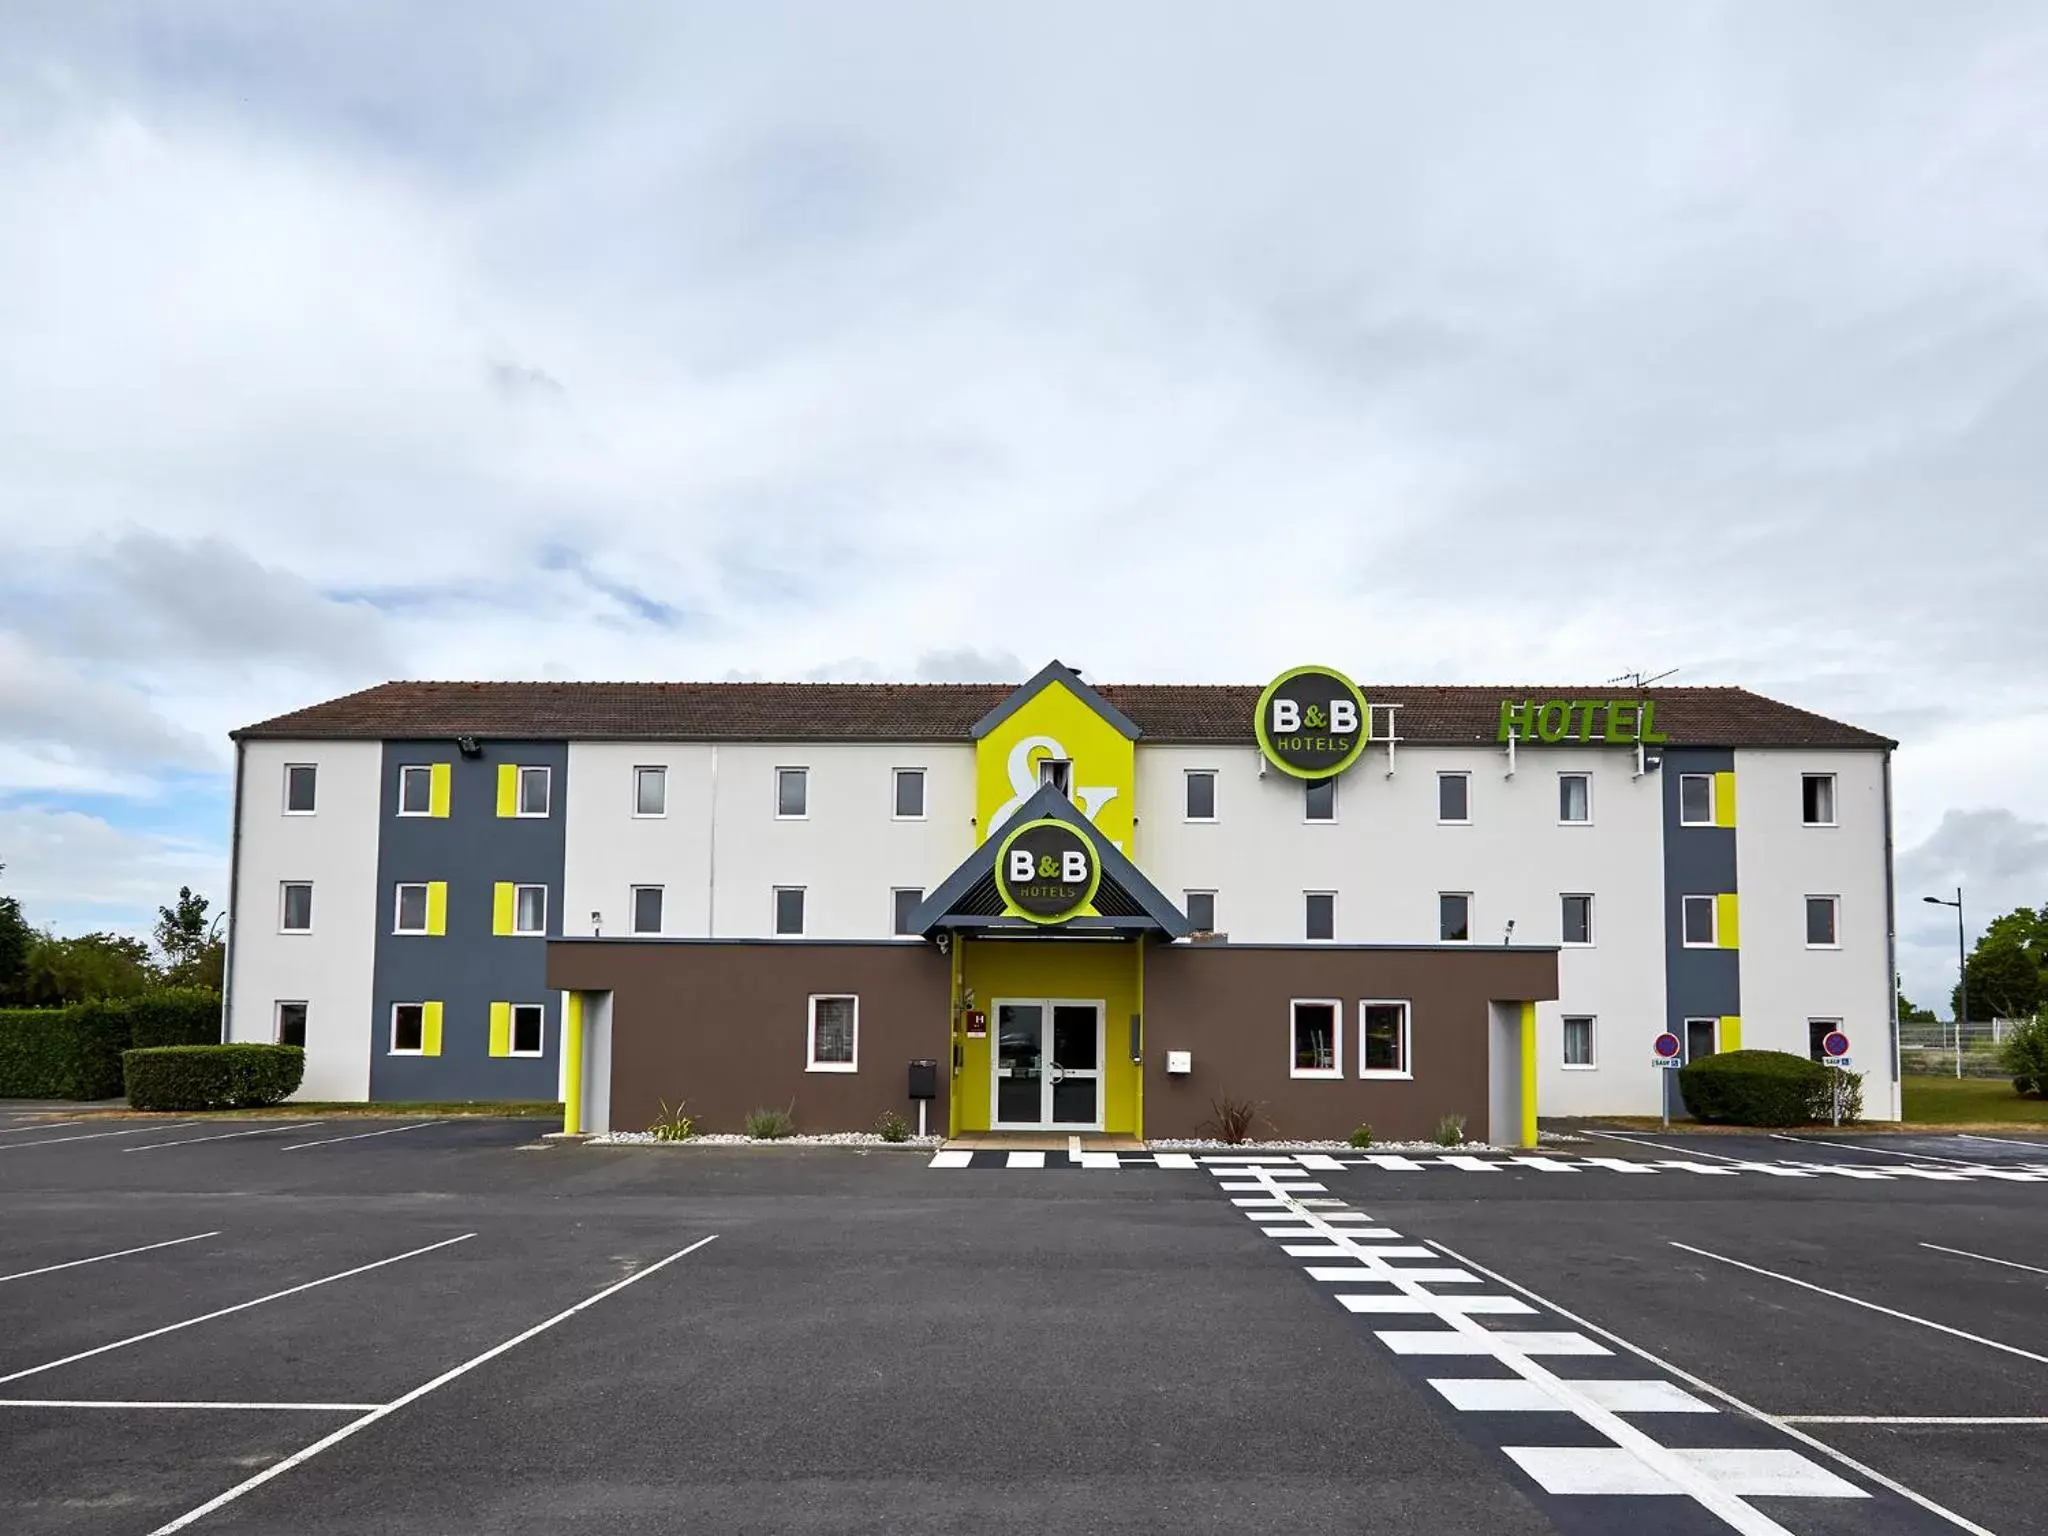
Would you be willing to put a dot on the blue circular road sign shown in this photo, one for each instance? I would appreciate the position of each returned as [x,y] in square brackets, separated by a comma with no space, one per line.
[1835,1044]
[1666,1045]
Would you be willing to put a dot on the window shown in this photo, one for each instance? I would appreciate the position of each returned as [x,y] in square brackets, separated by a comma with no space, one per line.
[647,909]
[416,790]
[408,1029]
[1817,799]
[909,794]
[1318,1052]
[530,909]
[1320,914]
[1821,912]
[1702,1038]
[1454,917]
[1697,920]
[1201,909]
[1383,1040]
[1574,798]
[1319,800]
[650,791]
[529,1021]
[1695,799]
[1578,1040]
[291,1024]
[1818,1030]
[833,1039]
[1578,919]
[792,793]
[411,910]
[1201,795]
[904,904]
[1058,772]
[295,907]
[789,909]
[1454,797]
[301,780]
[533,791]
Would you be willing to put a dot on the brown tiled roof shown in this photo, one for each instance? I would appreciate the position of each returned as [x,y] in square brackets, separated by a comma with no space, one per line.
[1197,713]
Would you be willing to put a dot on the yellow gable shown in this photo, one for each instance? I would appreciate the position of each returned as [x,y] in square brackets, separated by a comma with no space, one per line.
[1056,722]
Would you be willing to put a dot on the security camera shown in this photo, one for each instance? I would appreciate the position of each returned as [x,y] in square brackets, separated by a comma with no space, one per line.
[467,746]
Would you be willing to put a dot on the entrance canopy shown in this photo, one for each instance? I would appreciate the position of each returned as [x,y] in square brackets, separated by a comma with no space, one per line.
[1125,902]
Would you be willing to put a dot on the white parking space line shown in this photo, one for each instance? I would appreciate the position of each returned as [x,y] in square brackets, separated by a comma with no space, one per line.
[1851,1146]
[1786,1426]
[58,1141]
[240,1306]
[119,1253]
[1879,1418]
[2004,1141]
[1966,1254]
[193,1141]
[417,1393]
[329,1141]
[45,1125]
[1662,1146]
[1857,1301]
[94,1402]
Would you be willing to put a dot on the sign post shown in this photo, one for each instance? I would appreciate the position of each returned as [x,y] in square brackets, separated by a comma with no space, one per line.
[1834,1052]
[1665,1052]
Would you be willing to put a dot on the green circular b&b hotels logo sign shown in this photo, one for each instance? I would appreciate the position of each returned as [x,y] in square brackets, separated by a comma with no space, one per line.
[1047,871]
[1312,722]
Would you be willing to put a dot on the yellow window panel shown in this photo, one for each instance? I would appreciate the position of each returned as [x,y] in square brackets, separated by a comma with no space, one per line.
[1724,799]
[439,778]
[437,906]
[502,896]
[508,789]
[1727,932]
[501,1029]
[430,1029]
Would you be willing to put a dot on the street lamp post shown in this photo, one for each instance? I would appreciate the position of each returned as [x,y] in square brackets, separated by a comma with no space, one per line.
[1962,970]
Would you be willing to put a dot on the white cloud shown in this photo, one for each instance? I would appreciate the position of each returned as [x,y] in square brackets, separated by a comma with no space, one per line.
[75,872]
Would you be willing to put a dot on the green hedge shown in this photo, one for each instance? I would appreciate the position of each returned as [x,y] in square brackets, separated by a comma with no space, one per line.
[75,1052]
[1765,1088]
[185,1077]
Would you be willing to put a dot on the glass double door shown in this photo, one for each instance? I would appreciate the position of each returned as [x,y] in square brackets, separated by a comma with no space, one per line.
[1048,1064]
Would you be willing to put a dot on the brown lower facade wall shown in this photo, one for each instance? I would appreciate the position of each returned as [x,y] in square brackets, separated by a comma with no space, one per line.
[721,1027]
[1230,1006]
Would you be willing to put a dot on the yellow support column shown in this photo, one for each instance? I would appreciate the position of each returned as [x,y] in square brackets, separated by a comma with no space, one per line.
[955,1025]
[1528,1074]
[1138,1087]
[572,1066]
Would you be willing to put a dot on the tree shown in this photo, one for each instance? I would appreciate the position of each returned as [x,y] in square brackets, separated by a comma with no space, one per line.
[192,957]
[16,938]
[1912,1013]
[87,968]
[2005,981]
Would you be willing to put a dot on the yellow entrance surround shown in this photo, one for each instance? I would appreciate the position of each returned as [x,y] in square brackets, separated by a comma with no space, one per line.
[1107,970]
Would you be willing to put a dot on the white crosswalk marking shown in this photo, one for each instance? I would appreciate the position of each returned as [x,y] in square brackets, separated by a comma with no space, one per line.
[1745,1474]
[1441,1341]
[1513,1395]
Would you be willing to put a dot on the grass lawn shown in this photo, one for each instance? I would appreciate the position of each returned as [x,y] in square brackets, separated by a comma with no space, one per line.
[1970,1101]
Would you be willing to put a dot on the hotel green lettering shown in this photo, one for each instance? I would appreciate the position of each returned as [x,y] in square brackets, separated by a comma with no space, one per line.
[1622,722]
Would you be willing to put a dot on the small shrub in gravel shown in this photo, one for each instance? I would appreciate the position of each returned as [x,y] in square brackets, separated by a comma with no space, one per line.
[673,1125]
[892,1127]
[1231,1122]
[1362,1137]
[771,1124]
[1449,1132]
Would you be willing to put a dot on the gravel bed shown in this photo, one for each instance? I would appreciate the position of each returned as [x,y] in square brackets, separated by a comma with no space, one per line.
[731,1139]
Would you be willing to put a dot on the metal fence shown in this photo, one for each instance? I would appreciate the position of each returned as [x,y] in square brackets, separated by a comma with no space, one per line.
[1929,1045]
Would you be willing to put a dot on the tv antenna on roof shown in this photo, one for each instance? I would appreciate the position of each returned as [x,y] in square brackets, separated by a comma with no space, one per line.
[1638,680]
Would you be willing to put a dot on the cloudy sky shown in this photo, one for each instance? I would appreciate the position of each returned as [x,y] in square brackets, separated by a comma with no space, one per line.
[356,340]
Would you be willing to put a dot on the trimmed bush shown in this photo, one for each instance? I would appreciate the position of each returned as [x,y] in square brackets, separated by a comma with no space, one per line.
[75,1052]
[174,1016]
[2024,1056]
[187,1077]
[1767,1088]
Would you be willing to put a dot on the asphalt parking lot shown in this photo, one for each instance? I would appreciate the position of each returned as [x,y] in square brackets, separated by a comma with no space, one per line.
[366,1326]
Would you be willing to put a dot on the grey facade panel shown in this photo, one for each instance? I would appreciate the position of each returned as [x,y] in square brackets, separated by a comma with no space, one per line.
[1698,861]
[469,967]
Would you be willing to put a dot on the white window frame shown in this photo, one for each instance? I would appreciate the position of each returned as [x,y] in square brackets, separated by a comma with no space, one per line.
[1834,920]
[803,773]
[1592,1061]
[1184,895]
[529,933]
[398,908]
[1453,821]
[277,1018]
[1335,1071]
[1685,779]
[1188,775]
[660,771]
[1587,779]
[1592,938]
[1471,922]
[1304,917]
[775,913]
[512,1031]
[284,905]
[392,1047]
[289,770]
[1811,1043]
[1685,1033]
[633,927]
[405,769]
[1335,809]
[1834,800]
[1713,938]
[894,892]
[924,784]
[547,779]
[1059,773]
[1406,1071]
[811,1062]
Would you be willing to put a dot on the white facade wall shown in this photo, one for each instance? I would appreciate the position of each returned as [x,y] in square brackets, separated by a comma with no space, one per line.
[1779,863]
[720,850]
[331,968]
[1388,858]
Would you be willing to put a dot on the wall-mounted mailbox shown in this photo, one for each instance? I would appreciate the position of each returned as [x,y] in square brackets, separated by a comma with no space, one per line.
[1179,1063]
[924,1079]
